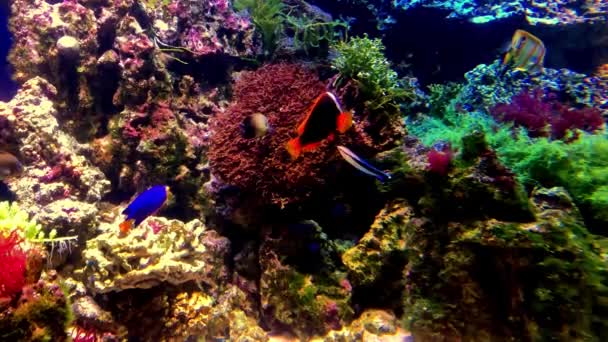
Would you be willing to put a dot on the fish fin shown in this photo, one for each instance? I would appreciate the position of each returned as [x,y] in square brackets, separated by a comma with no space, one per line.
[344,122]
[126,226]
[302,125]
[311,147]
[294,148]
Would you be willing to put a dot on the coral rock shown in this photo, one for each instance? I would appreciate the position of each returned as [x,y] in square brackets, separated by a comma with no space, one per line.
[179,253]
[384,239]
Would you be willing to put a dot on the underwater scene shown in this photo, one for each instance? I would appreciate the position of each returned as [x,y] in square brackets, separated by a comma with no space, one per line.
[303,170]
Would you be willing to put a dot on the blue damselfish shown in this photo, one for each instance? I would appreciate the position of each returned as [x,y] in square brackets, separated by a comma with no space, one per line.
[145,204]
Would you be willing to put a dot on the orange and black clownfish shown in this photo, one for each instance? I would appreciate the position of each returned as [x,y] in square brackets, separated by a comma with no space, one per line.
[324,118]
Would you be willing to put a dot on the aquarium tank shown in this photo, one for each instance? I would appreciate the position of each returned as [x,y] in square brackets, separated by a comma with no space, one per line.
[303,170]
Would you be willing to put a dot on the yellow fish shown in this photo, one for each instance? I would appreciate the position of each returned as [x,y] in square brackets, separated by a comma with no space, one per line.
[526,52]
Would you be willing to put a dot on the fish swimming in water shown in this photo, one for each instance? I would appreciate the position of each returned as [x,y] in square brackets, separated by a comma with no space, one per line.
[145,204]
[255,126]
[526,52]
[362,165]
[324,118]
[9,165]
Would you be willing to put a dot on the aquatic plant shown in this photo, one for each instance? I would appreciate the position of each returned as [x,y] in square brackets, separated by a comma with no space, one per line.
[440,96]
[362,59]
[311,32]
[580,165]
[13,219]
[267,15]
[13,260]
[542,115]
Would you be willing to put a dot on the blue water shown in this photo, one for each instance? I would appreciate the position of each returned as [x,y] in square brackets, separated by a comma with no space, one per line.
[7,86]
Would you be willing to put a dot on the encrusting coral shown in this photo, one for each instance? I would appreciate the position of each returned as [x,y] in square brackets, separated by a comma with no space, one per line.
[178,253]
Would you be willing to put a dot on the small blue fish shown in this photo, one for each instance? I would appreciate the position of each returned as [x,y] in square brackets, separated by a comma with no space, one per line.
[362,165]
[145,204]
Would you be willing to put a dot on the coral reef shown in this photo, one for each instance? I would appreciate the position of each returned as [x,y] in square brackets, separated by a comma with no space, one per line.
[262,167]
[491,226]
[304,303]
[504,278]
[372,325]
[179,253]
[485,87]
[383,240]
[543,115]
[42,313]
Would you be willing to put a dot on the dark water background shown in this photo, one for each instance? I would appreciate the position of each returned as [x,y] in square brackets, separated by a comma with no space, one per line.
[7,86]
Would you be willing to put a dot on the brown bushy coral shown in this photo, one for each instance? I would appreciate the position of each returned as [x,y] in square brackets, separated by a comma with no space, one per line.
[282,92]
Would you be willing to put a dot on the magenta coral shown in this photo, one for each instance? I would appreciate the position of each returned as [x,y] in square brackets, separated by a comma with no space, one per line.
[542,115]
[439,161]
[13,260]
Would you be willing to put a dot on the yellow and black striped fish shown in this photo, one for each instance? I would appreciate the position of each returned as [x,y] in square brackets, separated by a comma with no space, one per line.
[526,53]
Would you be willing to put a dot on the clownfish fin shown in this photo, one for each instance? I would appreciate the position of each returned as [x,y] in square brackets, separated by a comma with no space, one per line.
[126,226]
[294,148]
[344,122]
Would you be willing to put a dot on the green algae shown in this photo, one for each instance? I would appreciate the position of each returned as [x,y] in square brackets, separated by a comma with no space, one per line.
[362,59]
[44,317]
[489,279]
[267,15]
[581,166]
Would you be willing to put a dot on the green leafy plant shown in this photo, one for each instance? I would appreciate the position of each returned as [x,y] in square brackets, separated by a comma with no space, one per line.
[581,166]
[13,218]
[267,15]
[310,32]
[362,59]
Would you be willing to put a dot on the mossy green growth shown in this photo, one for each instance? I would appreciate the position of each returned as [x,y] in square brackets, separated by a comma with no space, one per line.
[44,317]
[440,97]
[362,60]
[385,239]
[580,166]
[267,15]
[486,280]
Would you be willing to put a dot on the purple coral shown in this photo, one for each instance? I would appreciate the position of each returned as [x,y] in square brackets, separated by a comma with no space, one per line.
[542,115]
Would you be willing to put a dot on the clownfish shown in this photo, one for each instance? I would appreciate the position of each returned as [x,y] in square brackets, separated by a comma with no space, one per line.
[145,204]
[324,118]
[526,52]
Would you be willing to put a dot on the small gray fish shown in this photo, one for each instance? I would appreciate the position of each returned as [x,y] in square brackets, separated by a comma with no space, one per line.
[9,165]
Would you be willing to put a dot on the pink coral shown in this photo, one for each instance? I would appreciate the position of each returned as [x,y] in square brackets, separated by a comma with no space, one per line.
[13,260]
[542,115]
[439,161]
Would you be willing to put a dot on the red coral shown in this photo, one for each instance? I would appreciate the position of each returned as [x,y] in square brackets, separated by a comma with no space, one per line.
[13,260]
[262,166]
[542,115]
[439,161]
